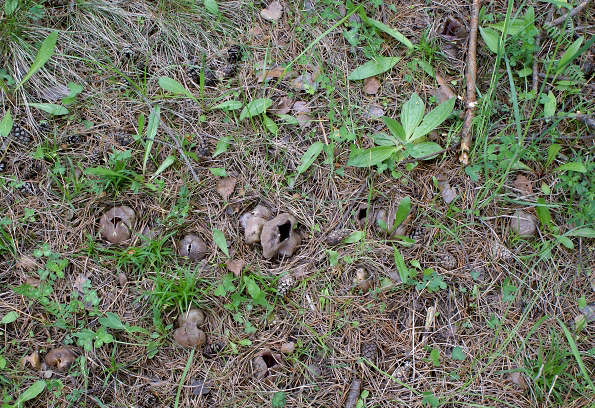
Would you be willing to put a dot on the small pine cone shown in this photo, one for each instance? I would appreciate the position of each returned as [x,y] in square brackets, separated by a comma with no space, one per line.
[194,74]
[225,71]
[127,52]
[44,128]
[335,237]
[447,261]
[370,351]
[29,189]
[499,251]
[234,54]
[212,349]
[418,233]
[285,284]
[124,139]
[73,140]
[20,135]
[403,372]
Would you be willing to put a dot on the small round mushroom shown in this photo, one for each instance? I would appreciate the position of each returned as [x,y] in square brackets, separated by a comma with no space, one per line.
[190,336]
[61,357]
[194,315]
[116,224]
[193,247]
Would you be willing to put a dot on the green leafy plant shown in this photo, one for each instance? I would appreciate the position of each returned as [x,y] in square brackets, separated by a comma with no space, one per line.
[407,138]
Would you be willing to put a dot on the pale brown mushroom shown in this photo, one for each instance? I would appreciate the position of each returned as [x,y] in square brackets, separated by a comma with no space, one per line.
[193,315]
[253,221]
[288,247]
[117,223]
[61,357]
[189,335]
[193,247]
[275,232]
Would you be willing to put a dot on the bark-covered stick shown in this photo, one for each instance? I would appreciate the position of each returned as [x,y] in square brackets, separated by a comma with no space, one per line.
[471,76]
[354,391]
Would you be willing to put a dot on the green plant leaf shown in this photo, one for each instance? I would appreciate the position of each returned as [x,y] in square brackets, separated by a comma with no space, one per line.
[372,156]
[50,108]
[492,39]
[395,128]
[572,166]
[549,104]
[100,171]
[6,124]
[424,149]
[434,119]
[45,53]
[228,105]
[222,145]
[576,354]
[211,6]
[402,212]
[543,213]
[390,31]
[169,160]
[515,26]
[2,363]
[220,240]
[382,139]
[218,171]
[564,241]
[270,124]
[151,133]
[289,119]
[32,392]
[255,107]
[112,321]
[412,113]
[373,67]
[279,400]
[173,86]
[9,317]
[552,152]
[10,6]
[308,158]
[581,232]
[401,267]
[435,357]
[355,236]
[457,353]
[569,54]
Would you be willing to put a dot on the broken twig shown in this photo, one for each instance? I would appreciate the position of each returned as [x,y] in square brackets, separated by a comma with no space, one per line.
[570,14]
[471,76]
[353,396]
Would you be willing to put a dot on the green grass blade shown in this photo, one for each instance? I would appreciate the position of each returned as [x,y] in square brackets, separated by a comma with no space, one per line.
[577,355]
[151,133]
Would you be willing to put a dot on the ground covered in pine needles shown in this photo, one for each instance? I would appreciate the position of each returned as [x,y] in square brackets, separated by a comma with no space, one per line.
[456,309]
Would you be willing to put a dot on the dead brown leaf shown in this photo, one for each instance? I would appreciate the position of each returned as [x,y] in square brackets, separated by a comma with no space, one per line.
[201,387]
[523,184]
[273,12]
[307,80]
[235,266]
[302,113]
[33,360]
[282,106]
[225,186]
[374,112]
[444,92]
[27,263]
[268,74]
[448,193]
[371,85]
[78,283]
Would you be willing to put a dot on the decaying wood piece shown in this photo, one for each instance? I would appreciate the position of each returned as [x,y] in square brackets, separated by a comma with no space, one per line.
[471,76]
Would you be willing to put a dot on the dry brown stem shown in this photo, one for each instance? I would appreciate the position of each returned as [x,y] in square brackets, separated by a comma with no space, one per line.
[471,76]
[570,14]
[353,395]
